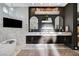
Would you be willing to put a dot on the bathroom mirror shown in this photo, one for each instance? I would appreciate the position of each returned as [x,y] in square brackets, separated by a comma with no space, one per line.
[58,22]
[33,23]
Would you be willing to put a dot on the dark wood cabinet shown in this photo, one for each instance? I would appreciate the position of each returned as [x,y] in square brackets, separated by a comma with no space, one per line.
[32,39]
[67,40]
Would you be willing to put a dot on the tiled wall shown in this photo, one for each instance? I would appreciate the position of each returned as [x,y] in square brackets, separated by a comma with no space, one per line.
[20,13]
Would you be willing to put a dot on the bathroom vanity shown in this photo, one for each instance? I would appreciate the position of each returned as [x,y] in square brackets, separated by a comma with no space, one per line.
[34,37]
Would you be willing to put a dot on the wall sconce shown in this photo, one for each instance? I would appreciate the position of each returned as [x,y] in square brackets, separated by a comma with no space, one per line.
[11,9]
[5,10]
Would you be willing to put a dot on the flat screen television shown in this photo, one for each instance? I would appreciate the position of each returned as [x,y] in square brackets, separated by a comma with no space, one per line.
[13,23]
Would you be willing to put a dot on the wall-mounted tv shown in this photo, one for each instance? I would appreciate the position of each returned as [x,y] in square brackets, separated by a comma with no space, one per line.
[13,23]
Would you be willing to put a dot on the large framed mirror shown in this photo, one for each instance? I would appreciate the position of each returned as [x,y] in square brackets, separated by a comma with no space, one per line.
[33,23]
[58,23]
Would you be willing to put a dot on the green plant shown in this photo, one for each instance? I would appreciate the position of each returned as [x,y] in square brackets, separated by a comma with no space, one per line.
[45,17]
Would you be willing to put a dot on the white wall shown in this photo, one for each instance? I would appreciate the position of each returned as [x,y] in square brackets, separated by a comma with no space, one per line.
[14,33]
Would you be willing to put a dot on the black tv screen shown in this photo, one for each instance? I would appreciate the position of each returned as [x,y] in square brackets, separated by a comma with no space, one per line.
[8,22]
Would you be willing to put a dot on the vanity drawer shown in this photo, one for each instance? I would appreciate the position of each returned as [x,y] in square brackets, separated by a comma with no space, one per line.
[32,39]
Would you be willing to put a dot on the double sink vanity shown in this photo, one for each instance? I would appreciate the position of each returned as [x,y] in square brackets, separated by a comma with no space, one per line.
[35,37]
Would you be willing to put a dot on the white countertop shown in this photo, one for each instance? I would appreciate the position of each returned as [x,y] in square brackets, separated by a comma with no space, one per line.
[49,34]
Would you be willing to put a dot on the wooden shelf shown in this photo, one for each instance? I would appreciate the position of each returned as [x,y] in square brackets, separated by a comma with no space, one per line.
[46,21]
[49,12]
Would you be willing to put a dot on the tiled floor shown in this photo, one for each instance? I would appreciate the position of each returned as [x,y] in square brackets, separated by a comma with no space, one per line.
[61,49]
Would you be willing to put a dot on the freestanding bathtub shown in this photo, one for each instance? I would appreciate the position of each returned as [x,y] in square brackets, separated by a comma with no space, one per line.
[7,48]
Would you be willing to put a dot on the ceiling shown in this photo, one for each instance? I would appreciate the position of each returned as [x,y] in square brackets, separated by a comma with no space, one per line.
[35,4]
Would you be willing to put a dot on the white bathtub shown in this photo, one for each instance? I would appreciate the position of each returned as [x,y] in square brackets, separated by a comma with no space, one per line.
[7,48]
